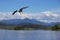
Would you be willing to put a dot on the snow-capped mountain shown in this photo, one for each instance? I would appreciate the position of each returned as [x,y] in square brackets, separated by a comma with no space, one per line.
[26,20]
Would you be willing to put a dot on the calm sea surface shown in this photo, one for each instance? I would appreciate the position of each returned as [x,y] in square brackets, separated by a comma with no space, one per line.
[29,35]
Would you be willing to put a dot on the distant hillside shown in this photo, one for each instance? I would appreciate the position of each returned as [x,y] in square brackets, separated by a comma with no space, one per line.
[56,27]
[29,26]
[24,26]
[26,20]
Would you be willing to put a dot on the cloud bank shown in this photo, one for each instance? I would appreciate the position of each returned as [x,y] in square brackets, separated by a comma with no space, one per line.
[46,16]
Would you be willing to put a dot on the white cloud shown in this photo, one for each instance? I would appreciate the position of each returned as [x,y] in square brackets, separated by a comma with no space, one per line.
[48,13]
[46,16]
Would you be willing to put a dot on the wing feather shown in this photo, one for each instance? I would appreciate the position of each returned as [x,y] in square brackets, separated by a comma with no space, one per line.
[24,7]
[14,12]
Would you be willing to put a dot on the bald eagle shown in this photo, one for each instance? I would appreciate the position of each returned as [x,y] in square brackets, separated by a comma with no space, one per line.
[20,10]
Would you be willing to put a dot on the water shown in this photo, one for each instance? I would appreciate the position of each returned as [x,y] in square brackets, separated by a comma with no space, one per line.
[29,35]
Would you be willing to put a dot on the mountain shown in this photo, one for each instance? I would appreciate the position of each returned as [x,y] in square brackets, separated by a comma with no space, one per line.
[23,21]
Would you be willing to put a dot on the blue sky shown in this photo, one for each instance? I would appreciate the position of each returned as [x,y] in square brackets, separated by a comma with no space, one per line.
[34,5]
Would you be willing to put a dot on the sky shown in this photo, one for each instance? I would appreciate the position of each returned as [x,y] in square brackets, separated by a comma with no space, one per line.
[34,5]
[42,10]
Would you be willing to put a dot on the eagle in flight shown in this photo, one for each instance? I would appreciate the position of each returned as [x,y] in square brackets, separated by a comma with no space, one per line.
[20,10]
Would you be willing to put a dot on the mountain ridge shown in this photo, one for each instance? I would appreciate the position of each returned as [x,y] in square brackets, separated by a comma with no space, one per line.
[26,20]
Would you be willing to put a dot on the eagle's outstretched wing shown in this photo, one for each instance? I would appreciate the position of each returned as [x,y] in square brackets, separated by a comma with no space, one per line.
[24,8]
[14,12]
